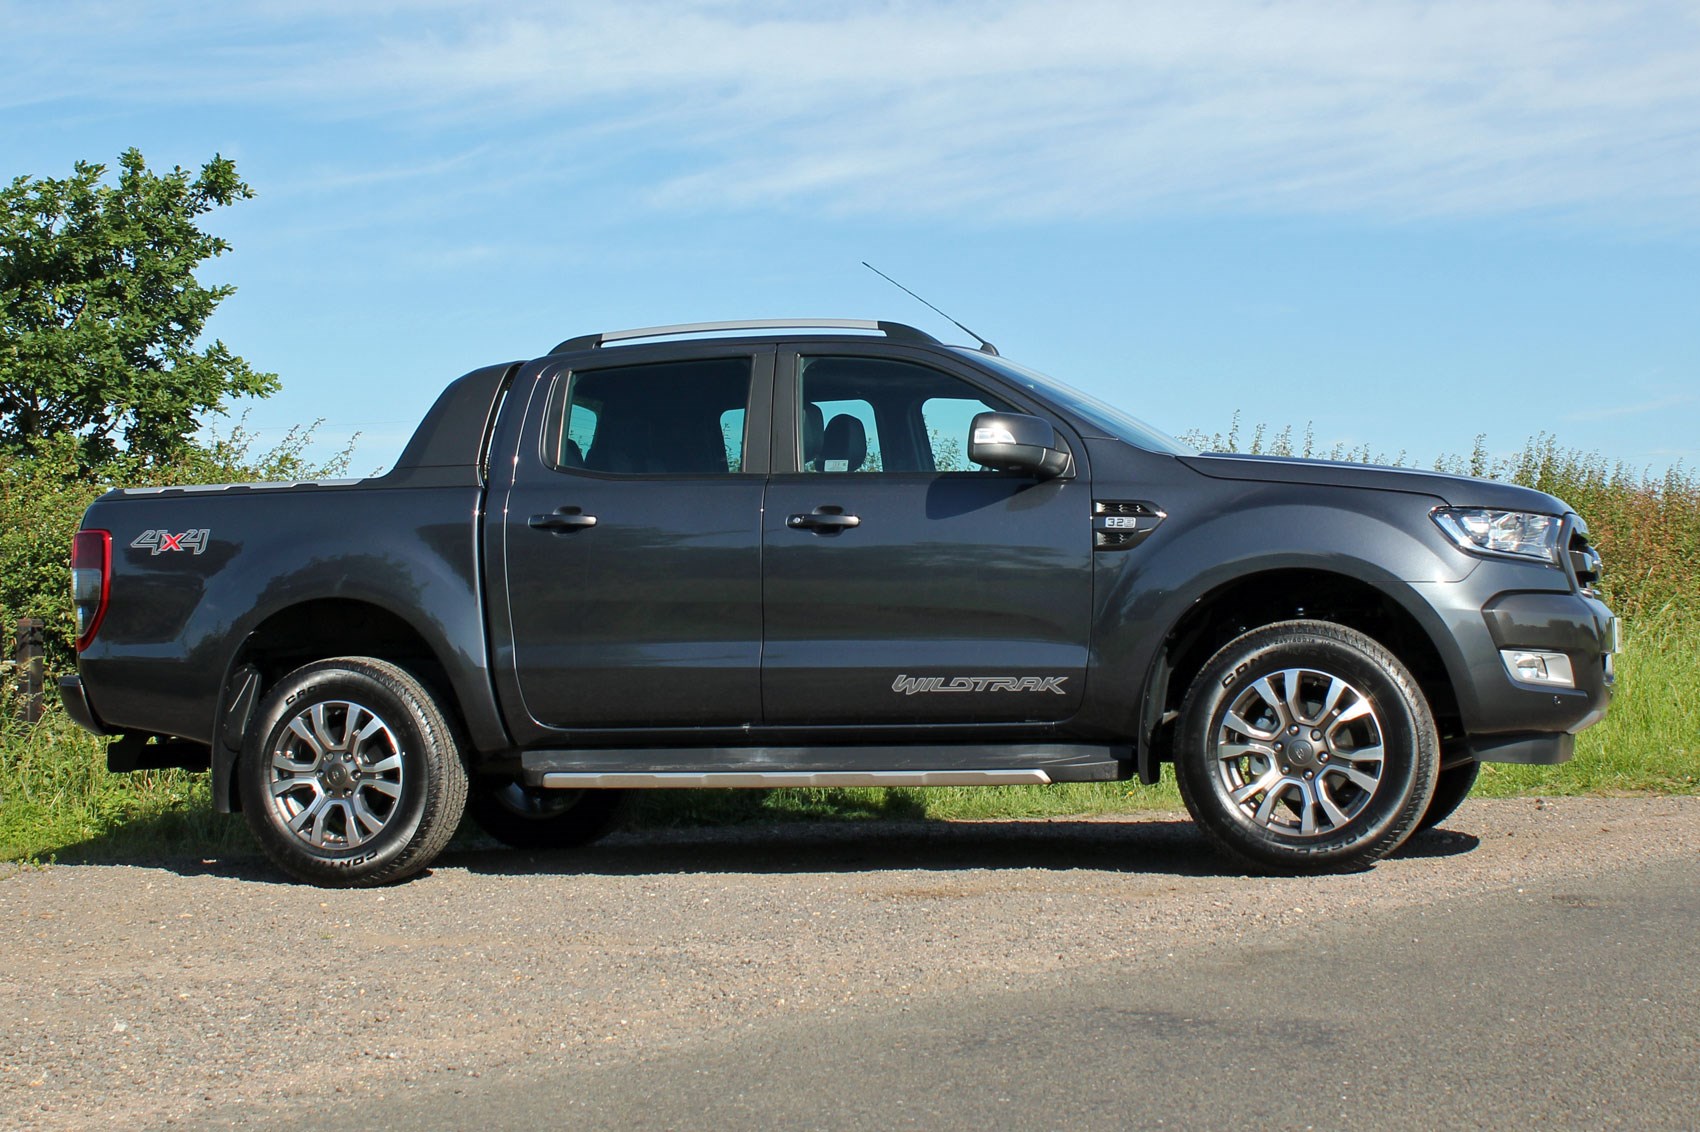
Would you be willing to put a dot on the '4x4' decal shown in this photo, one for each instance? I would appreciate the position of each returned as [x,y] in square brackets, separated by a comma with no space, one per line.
[161,541]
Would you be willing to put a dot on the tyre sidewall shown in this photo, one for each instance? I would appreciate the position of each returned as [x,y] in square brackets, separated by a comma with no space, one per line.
[318,683]
[1408,735]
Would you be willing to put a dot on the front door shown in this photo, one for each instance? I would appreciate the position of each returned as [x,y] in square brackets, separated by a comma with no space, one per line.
[905,584]
[632,547]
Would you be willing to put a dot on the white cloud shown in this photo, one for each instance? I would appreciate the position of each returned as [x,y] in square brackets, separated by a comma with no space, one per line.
[1020,108]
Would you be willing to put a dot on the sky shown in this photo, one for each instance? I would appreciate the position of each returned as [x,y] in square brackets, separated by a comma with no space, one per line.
[1399,225]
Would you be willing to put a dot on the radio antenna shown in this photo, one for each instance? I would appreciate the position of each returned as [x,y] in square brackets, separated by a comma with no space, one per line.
[985,346]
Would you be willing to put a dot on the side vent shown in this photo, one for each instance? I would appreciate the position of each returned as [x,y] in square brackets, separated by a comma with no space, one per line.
[1119,524]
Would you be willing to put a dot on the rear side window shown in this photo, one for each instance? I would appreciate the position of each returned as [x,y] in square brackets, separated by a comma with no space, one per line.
[669,418]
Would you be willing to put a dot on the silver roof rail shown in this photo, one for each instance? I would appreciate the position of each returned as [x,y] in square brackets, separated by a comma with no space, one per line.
[896,331]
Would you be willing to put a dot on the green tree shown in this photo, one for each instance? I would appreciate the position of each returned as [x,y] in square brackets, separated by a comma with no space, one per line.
[101,313]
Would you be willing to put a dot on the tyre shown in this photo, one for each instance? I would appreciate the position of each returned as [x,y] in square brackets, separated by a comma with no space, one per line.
[351,775]
[1306,746]
[534,818]
[1451,787]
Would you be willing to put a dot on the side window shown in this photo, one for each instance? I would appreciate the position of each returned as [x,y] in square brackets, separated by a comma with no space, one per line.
[947,420]
[668,418]
[878,415]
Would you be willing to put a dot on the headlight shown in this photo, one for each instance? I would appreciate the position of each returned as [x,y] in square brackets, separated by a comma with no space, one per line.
[1520,534]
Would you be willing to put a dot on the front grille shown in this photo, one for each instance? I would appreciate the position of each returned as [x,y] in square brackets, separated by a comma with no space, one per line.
[1585,564]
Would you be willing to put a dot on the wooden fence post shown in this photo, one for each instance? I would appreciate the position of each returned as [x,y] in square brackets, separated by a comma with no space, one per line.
[27,653]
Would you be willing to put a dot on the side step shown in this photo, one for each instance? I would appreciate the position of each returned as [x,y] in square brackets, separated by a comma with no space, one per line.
[764,768]
[767,780]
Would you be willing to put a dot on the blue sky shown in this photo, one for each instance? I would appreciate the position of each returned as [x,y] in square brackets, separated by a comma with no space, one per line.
[1404,224]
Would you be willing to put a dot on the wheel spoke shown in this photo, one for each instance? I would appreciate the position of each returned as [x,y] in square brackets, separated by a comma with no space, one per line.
[377,726]
[298,727]
[385,765]
[1336,688]
[1251,789]
[362,821]
[1266,808]
[1357,711]
[1227,751]
[1238,723]
[1363,781]
[382,786]
[370,818]
[1307,810]
[351,725]
[1267,693]
[312,812]
[321,728]
[283,786]
[322,820]
[1336,816]
[1360,754]
[282,760]
[1293,679]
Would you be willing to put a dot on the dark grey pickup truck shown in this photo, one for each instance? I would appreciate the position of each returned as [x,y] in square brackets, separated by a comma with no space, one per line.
[831,553]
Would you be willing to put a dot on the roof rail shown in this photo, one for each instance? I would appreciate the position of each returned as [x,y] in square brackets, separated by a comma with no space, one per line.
[896,331]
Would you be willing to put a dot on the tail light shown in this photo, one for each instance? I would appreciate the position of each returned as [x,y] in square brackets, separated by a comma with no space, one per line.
[91,579]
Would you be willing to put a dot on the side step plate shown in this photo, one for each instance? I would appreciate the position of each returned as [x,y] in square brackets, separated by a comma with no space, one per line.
[763,768]
[766,780]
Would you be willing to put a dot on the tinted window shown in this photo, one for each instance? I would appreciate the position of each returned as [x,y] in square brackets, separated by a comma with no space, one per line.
[671,418]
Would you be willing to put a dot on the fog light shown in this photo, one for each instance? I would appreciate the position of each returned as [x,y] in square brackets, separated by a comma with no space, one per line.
[1550,669]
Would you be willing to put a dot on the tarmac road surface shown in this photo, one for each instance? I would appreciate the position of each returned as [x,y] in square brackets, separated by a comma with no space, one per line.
[1534,962]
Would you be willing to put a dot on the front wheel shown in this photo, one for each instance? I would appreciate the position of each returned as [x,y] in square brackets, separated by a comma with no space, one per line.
[1306,746]
[351,775]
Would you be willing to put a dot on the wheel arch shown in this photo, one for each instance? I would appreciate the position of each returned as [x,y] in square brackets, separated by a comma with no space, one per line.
[304,632]
[1254,600]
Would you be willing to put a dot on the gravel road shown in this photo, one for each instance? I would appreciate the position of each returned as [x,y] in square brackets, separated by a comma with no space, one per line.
[192,991]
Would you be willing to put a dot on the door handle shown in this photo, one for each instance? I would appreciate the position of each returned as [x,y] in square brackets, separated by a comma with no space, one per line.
[825,520]
[562,520]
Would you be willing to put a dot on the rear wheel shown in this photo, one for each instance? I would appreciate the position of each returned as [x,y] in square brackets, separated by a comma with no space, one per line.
[1306,746]
[351,775]
[533,818]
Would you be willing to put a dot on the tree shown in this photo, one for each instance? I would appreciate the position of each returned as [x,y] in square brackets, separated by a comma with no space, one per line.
[100,311]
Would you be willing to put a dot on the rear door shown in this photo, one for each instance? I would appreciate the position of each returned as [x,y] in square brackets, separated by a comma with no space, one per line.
[630,542]
[905,584]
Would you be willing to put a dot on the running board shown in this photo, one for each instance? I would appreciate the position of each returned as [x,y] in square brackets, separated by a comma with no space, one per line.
[768,780]
[763,768]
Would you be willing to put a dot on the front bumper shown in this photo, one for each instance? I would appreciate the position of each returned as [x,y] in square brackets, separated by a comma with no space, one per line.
[1510,720]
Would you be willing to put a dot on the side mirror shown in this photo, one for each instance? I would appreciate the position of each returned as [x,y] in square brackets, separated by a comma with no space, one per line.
[1015,442]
